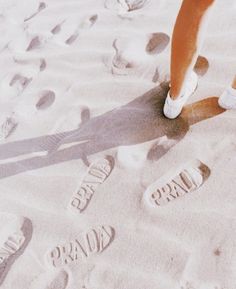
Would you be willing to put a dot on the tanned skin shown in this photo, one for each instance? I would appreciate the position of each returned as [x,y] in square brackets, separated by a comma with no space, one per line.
[234,82]
[184,50]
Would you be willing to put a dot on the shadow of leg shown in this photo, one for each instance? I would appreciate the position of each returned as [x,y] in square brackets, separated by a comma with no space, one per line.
[201,110]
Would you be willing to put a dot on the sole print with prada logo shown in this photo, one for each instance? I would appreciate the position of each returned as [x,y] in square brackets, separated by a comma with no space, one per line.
[97,173]
[186,180]
[78,250]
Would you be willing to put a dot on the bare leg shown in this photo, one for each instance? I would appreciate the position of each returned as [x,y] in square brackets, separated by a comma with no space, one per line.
[234,82]
[186,41]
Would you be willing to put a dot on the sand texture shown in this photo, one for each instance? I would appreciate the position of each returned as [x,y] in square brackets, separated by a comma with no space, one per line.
[97,189]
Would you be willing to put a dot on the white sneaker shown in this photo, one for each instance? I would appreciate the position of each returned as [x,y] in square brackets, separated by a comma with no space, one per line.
[227,100]
[173,108]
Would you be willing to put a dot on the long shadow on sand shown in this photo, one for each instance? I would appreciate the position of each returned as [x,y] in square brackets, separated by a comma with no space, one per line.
[136,122]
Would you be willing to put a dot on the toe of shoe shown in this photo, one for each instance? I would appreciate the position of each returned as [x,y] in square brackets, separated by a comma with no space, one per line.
[170,111]
[225,103]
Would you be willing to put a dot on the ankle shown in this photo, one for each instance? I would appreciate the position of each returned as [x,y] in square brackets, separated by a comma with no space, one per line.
[173,94]
[232,91]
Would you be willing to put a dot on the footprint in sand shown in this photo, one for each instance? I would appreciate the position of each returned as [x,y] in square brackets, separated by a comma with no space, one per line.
[87,23]
[38,64]
[132,55]
[202,65]
[84,115]
[53,279]
[14,239]
[65,32]
[46,99]
[21,80]
[97,173]
[19,37]
[56,29]
[156,76]
[12,85]
[120,61]
[124,6]
[26,41]
[170,188]
[157,43]
[7,127]
[80,249]
[72,38]
[43,64]
[68,31]
[41,7]
[35,43]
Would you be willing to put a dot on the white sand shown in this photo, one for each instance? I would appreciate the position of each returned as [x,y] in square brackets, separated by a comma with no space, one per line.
[73,80]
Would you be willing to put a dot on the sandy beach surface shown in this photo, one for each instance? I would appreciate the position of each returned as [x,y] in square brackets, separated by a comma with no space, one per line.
[97,189]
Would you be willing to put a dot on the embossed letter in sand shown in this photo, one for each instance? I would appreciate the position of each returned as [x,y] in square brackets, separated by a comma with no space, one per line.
[93,242]
[185,181]
[14,238]
[97,173]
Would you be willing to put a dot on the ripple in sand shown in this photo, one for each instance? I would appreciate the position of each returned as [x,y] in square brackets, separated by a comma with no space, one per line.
[97,173]
[92,242]
[46,99]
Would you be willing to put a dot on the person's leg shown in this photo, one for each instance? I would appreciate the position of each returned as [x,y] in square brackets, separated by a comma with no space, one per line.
[186,41]
[234,82]
[227,100]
